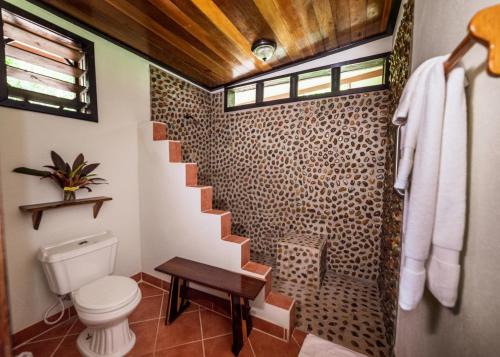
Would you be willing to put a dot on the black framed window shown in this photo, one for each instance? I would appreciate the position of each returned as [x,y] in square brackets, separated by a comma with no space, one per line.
[275,89]
[45,68]
[361,75]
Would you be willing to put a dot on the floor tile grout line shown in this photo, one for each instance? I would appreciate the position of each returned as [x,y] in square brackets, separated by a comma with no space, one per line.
[151,296]
[213,337]
[251,347]
[294,340]
[266,333]
[201,331]
[141,321]
[63,338]
[32,339]
[179,345]
[218,313]
[150,284]
[158,325]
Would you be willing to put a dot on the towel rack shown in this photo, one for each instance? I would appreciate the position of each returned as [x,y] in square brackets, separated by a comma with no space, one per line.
[484,28]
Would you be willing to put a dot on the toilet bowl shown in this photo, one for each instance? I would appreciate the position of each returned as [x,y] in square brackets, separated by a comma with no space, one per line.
[82,268]
[103,306]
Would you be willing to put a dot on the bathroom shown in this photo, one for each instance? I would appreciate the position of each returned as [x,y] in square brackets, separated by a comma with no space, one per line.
[166,138]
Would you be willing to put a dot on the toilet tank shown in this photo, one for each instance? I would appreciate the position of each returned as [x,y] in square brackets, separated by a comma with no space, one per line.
[70,265]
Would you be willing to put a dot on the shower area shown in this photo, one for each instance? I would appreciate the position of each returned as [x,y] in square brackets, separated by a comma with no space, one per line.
[310,183]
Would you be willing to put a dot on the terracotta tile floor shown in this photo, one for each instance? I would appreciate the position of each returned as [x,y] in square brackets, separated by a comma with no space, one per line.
[198,332]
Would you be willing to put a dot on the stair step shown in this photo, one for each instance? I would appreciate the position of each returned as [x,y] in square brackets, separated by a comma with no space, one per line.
[191,174]
[217,212]
[263,270]
[236,239]
[280,300]
[206,198]
[245,246]
[159,131]
[174,151]
[257,268]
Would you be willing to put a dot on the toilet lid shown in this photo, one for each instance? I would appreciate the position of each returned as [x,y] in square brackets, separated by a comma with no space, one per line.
[106,294]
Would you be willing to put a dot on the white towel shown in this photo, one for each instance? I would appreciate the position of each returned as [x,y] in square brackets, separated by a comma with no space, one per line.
[449,226]
[424,98]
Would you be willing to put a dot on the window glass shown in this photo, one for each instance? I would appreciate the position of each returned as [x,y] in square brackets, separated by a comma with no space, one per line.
[363,74]
[47,68]
[277,89]
[243,95]
[316,82]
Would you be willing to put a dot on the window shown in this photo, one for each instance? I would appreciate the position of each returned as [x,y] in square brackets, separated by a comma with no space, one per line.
[365,74]
[46,69]
[316,82]
[277,89]
[241,96]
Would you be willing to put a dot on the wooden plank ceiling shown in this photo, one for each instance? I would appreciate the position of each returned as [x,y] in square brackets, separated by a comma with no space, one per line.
[209,41]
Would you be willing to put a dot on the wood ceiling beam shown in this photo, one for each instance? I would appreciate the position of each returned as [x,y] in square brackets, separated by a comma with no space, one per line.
[184,46]
[234,53]
[325,15]
[270,10]
[219,19]
[343,21]
[358,19]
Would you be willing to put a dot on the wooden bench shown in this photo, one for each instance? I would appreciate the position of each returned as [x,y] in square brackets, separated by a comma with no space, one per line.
[241,289]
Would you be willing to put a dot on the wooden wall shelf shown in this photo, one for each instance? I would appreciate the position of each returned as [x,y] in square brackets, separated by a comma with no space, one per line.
[36,210]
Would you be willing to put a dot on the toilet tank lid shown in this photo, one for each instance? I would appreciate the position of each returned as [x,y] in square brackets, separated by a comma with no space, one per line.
[76,247]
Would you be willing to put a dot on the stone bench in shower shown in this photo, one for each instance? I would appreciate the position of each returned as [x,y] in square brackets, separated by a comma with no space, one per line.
[301,259]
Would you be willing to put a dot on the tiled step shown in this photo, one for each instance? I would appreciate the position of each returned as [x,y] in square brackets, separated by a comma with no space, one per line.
[159,131]
[280,300]
[191,174]
[263,270]
[244,245]
[206,197]
[174,151]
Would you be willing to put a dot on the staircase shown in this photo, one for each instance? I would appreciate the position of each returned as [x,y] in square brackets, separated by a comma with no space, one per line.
[194,229]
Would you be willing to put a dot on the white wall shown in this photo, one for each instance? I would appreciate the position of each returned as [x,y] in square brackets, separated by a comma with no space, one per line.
[471,329]
[26,139]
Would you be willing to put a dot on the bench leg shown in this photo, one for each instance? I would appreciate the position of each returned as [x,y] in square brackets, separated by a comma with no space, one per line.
[246,316]
[177,301]
[241,321]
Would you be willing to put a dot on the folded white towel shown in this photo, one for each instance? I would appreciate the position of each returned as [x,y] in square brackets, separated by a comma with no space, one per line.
[449,226]
[411,101]
[423,99]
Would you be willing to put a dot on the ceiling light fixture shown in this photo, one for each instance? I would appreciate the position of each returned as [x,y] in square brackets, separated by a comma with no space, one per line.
[263,49]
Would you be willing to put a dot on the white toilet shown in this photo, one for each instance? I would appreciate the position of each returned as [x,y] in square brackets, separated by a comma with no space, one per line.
[103,302]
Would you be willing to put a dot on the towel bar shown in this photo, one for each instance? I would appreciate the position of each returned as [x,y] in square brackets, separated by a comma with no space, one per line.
[399,191]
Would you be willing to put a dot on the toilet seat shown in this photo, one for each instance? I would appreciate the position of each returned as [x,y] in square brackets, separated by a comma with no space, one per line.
[107,294]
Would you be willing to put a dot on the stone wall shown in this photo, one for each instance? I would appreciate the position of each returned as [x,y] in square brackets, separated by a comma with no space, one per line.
[388,278]
[314,166]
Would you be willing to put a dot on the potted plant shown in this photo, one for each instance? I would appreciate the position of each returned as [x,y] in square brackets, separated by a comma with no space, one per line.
[69,178]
